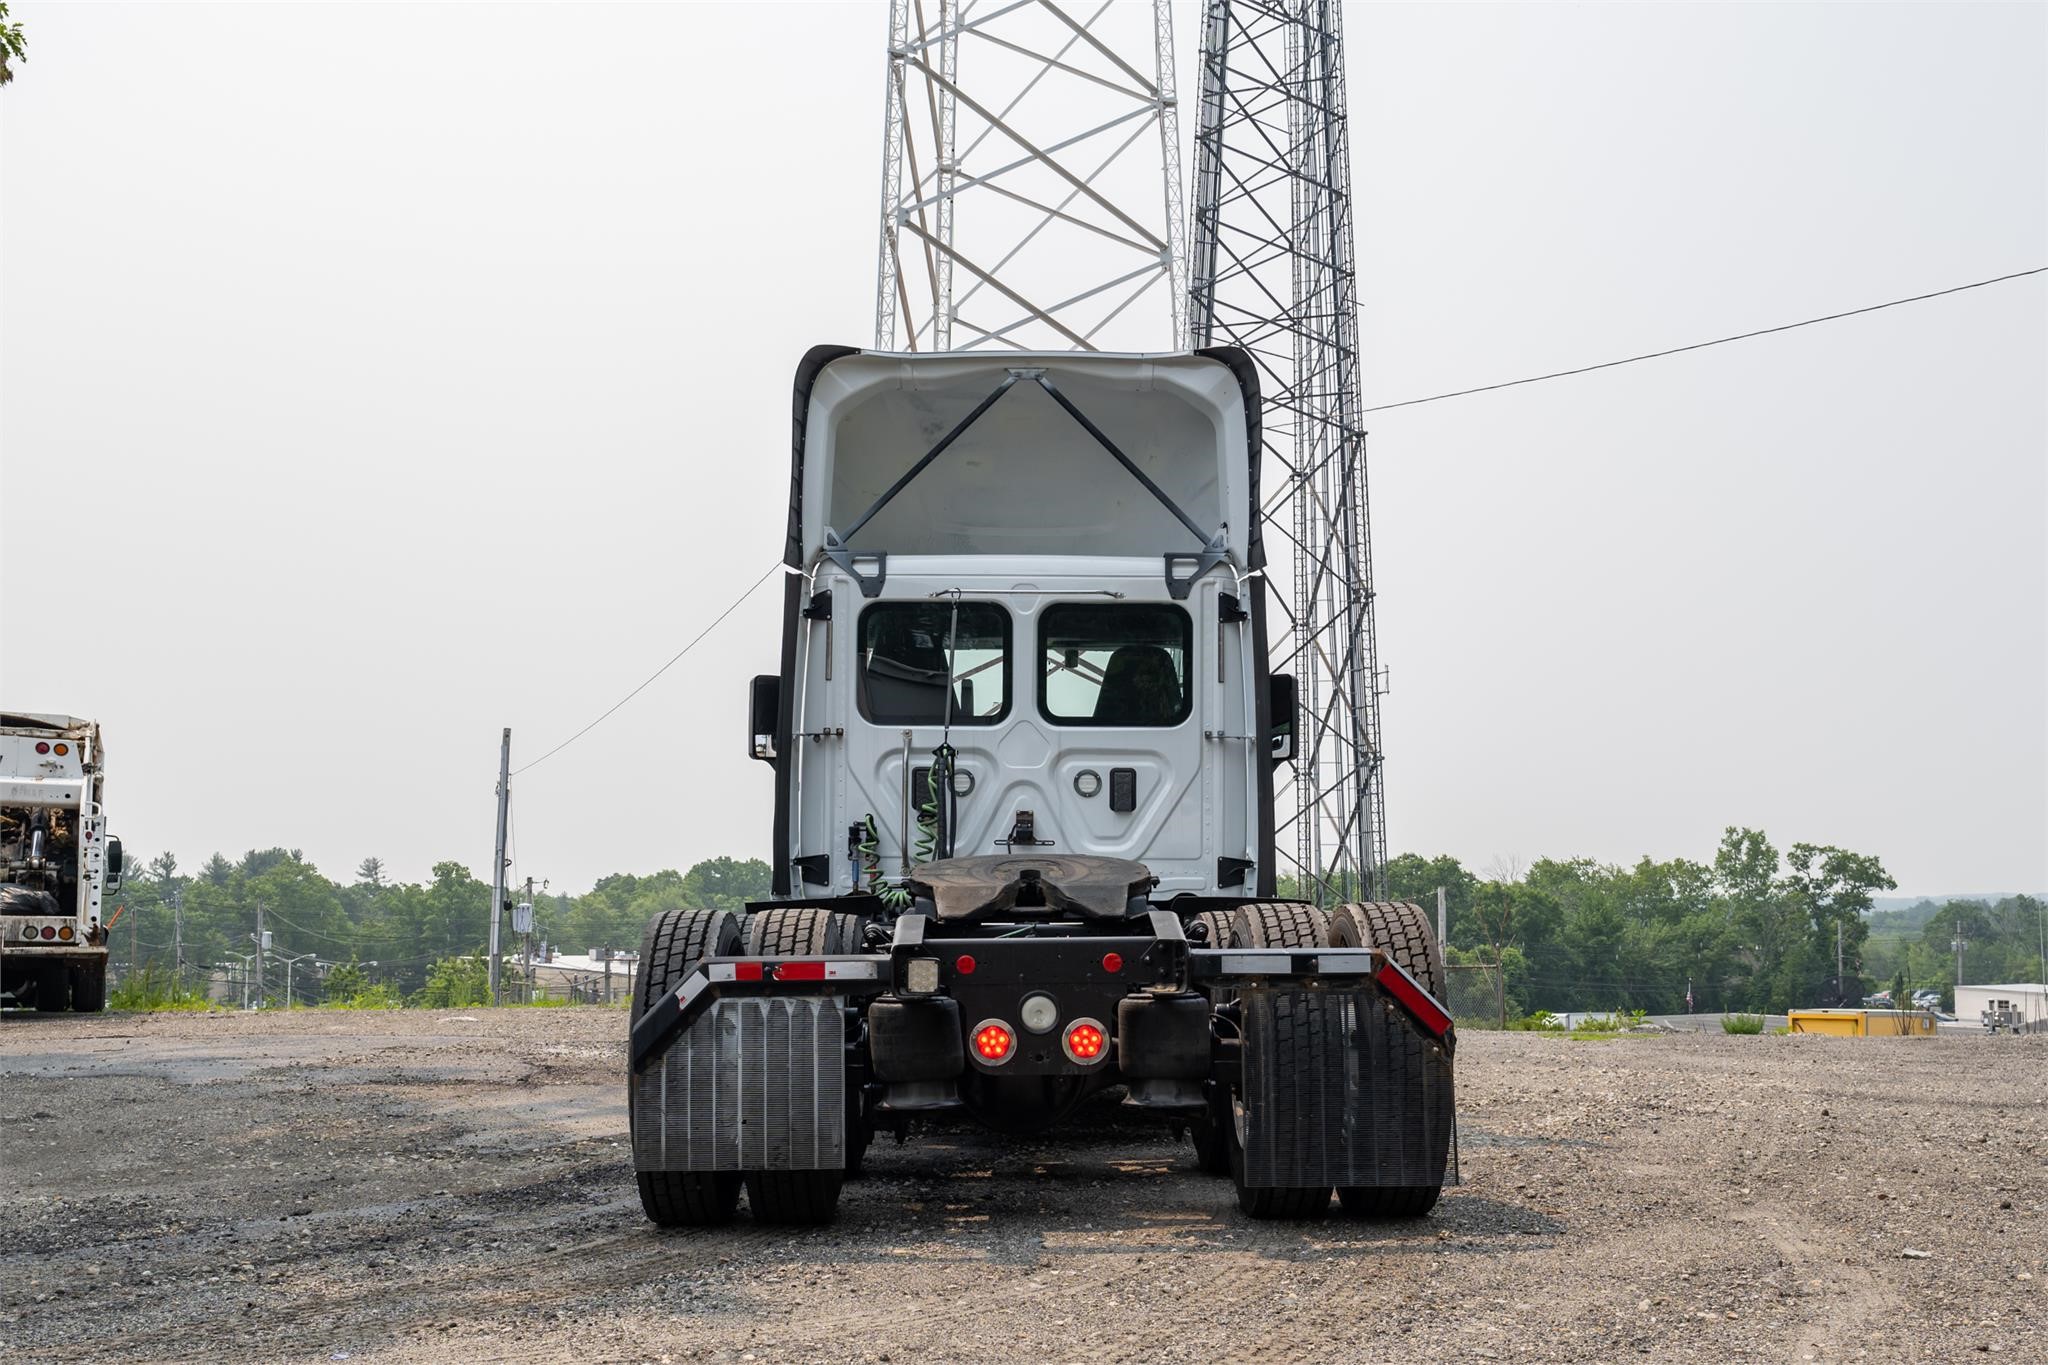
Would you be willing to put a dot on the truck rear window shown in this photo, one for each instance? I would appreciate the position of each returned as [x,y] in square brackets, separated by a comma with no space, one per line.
[1122,663]
[903,653]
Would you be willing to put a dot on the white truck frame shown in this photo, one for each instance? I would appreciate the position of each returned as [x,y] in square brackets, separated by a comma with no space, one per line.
[58,864]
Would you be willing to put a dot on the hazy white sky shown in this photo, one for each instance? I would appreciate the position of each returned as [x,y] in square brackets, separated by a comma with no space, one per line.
[373,377]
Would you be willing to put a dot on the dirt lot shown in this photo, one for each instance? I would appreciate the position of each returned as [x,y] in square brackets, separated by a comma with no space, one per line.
[423,1186]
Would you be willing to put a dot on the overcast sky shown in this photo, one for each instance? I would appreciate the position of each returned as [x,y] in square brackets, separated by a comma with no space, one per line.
[374,377]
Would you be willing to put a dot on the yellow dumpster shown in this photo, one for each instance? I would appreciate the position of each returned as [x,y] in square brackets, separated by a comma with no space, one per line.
[1864,1023]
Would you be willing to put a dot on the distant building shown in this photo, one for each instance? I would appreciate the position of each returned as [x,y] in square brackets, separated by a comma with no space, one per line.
[2026,1002]
[583,978]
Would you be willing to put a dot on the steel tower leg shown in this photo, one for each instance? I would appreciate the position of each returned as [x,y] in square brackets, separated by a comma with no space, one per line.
[1274,272]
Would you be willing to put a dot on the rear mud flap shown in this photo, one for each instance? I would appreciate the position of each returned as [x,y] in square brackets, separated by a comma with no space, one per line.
[752,1084]
[1341,1088]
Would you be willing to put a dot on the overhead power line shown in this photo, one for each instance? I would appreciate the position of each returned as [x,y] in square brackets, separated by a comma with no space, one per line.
[1702,345]
[715,623]
[1382,407]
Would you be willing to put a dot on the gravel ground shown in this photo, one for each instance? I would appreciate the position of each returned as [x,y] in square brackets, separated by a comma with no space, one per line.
[432,1186]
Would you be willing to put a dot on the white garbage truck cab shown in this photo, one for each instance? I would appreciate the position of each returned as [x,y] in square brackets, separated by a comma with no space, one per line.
[1024,735]
[58,864]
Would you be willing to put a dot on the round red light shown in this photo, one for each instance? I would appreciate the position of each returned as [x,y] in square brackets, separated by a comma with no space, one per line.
[1085,1042]
[42,746]
[49,931]
[1112,962]
[992,1042]
[964,964]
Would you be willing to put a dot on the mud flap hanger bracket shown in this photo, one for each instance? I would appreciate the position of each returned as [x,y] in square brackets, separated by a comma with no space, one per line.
[1215,547]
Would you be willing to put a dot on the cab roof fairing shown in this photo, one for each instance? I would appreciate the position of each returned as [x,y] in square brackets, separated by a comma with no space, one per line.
[1025,478]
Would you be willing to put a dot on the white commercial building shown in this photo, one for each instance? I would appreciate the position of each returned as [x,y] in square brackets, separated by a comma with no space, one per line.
[2028,1001]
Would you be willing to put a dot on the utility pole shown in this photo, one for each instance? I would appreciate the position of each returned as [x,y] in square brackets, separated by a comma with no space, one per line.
[1840,995]
[1443,933]
[607,973]
[177,938]
[262,947]
[498,863]
[1959,943]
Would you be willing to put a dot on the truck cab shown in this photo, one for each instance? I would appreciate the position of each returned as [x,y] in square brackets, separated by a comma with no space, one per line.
[1025,616]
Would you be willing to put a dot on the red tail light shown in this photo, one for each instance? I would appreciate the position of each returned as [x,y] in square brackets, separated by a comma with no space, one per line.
[993,1042]
[1112,963]
[42,746]
[49,931]
[1086,1040]
[964,964]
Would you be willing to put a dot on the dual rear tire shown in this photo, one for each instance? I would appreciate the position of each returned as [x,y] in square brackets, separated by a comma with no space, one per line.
[1399,929]
[676,940]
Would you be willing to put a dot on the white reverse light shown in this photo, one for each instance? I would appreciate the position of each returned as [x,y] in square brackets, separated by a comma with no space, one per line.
[921,975]
[1039,1013]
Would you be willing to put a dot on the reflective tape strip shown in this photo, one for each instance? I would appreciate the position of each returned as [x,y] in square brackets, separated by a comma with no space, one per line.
[693,985]
[1417,1001]
[1334,964]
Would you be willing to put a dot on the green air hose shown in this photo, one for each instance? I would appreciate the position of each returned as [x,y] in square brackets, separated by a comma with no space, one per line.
[894,897]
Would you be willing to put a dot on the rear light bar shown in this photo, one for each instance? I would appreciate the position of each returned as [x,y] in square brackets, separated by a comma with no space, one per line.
[1273,967]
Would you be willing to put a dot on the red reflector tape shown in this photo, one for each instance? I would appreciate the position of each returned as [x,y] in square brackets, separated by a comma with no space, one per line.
[746,971]
[800,971]
[1414,999]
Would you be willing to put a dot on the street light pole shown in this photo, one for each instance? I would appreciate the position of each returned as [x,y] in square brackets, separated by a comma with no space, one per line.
[498,863]
[289,963]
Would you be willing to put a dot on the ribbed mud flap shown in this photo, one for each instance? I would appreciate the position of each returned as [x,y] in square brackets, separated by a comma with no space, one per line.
[1341,1088]
[752,1085]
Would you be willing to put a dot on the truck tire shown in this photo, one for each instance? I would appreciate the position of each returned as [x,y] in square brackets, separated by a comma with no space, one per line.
[53,989]
[676,940]
[89,987]
[1276,924]
[1212,1151]
[1279,924]
[805,1196]
[1401,930]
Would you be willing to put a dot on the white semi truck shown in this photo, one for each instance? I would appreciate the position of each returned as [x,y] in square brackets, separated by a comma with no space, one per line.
[1024,736]
[58,864]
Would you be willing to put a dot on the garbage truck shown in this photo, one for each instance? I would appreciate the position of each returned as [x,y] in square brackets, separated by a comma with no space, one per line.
[1024,737]
[58,864]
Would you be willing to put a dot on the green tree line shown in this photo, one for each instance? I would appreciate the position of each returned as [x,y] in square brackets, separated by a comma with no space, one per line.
[1749,928]
[377,932]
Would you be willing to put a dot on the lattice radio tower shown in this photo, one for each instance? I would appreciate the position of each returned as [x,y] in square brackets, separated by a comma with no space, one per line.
[1031,192]
[1024,205]
[1273,272]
